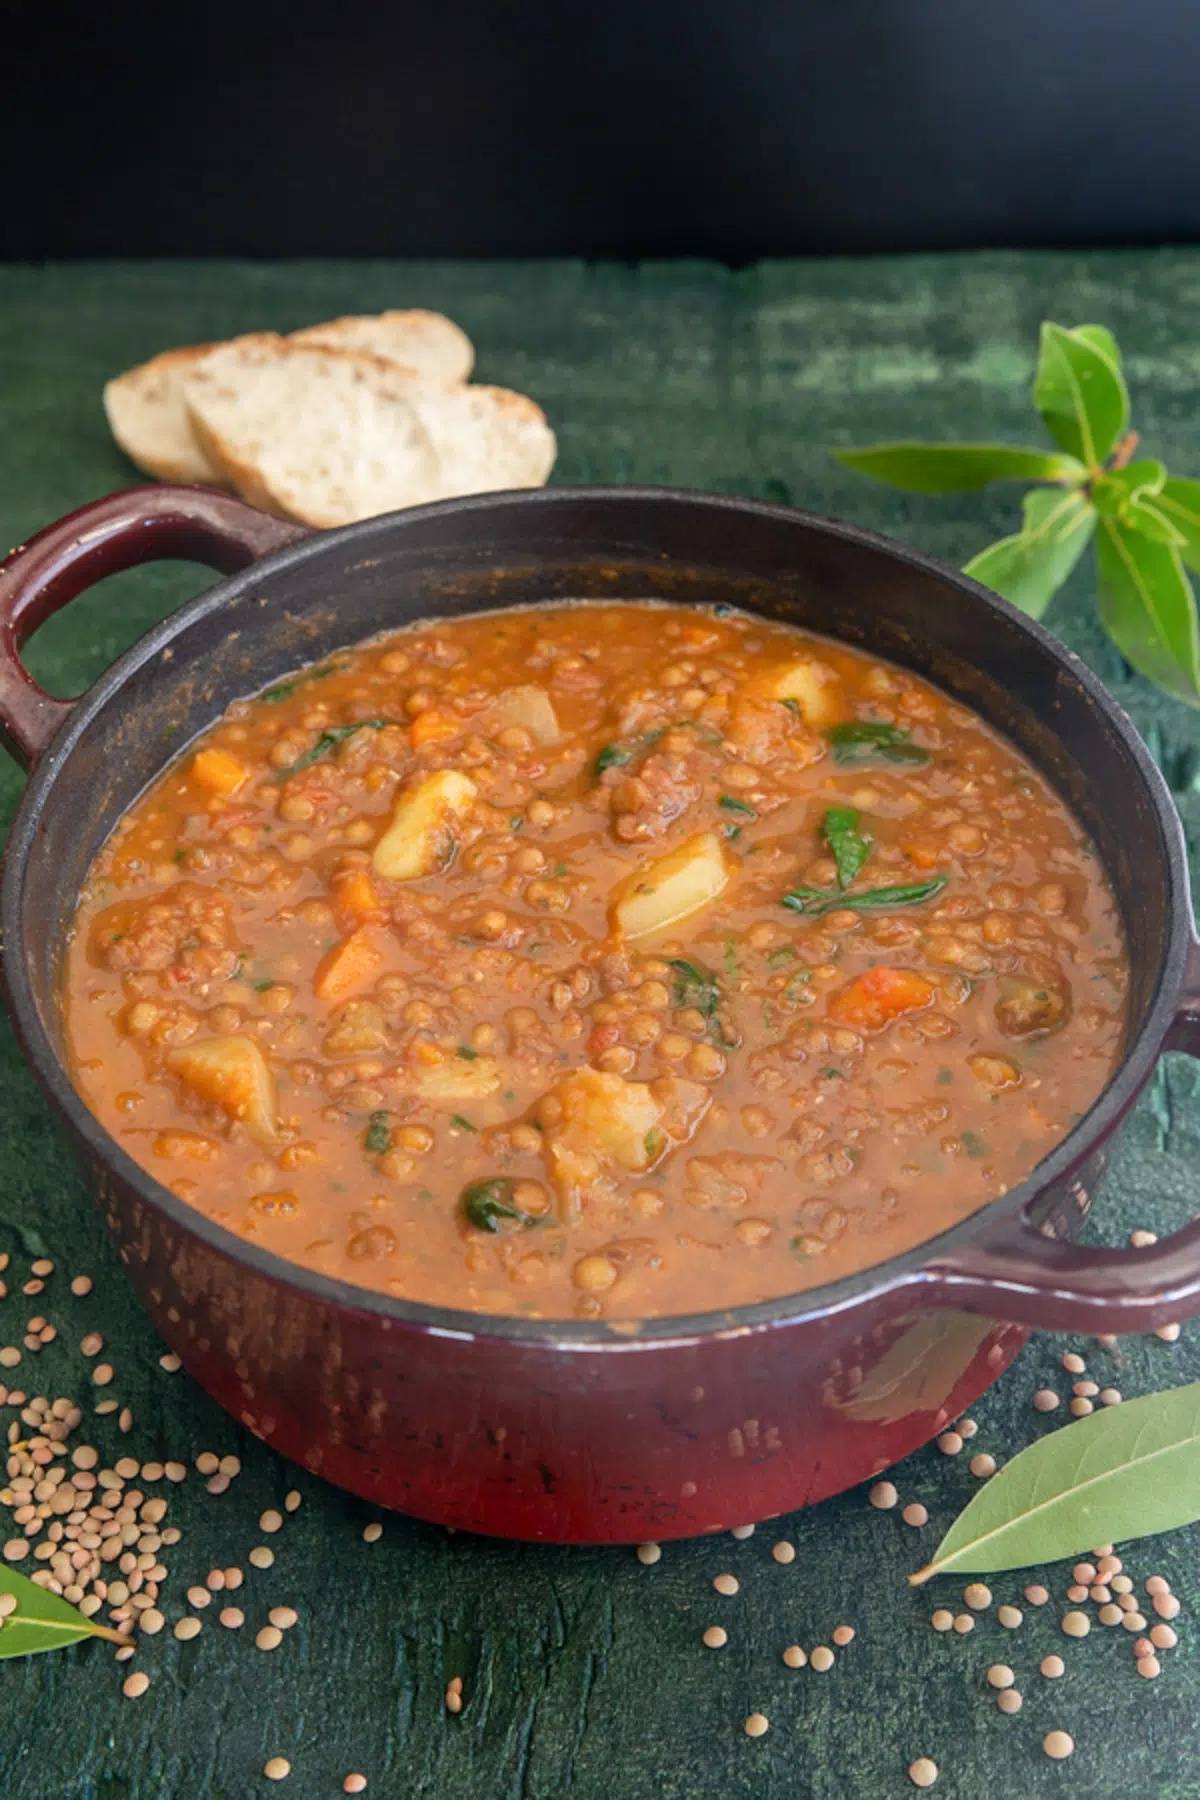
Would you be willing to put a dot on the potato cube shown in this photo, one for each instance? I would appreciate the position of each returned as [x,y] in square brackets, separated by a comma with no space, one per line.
[420,837]
[232,1073]
[815,687]
[529,707]
[458,1079]
[672,887]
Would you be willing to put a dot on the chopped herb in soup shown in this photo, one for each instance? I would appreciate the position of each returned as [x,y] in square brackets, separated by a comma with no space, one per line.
[597,960]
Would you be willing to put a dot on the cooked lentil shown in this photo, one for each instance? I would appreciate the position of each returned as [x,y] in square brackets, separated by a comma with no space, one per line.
[497,885]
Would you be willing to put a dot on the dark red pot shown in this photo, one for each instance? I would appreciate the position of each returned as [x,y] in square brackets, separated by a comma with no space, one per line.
[571,1431]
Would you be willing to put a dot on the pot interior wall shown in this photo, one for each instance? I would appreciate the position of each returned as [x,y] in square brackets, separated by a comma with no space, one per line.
[339,590]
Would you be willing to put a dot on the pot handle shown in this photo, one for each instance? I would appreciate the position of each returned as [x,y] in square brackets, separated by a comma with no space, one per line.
[138,525]
[1020,1274]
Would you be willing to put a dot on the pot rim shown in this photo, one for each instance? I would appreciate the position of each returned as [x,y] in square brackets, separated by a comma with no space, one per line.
[897,1275]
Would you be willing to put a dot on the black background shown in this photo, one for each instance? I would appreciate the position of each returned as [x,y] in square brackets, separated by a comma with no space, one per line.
[639,127]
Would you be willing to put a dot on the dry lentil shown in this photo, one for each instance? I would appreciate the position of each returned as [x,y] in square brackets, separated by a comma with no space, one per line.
[1058,1744]
[783,1552]
[1009,1700]
[268,1637]
[283,1616]
[726,1584]
[1036,1594]
[978,1596]
[915,1514]
[756,1724]
[1076,1624]
[1052,1667]
[963,1623]
[950,1443]
[822,1659]
[1000,1676]
[135,1685]
[232,1617]
[795,1657]
[261,1557]
[277,1768]
[715,1637]
[923,1772]
[354,1783]
[372,1532]
[1009,1616]
[188,1627]
[942,1619]
[843,1635]
[270,1521]
[982,1465]
[883,1495]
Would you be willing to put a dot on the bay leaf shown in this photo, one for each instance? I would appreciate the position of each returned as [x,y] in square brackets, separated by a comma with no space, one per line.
[959,468]
[1030,567]
[1125,1472]
[42,1621]
[1080,393]
[1147,607]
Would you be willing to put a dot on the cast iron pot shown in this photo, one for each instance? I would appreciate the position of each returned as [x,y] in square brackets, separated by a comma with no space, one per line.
[579,1431]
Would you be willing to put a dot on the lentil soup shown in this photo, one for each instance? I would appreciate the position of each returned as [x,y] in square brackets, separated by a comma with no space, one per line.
[606,960]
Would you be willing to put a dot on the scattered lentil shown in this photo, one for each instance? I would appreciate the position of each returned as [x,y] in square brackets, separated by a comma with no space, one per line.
[726,1584]
[1168,1333]
[277,1768]
[1010,1617]
[923,1772]
[232,1617]
[135,1685]
[982,1465]
[1045,1400]
[453,1695]
[883,1495]
[1148,1667]
[1000,1676]
[1073,1364]
[1162,1637]
[1110,1614]
[371,1533]
[950,1443]
[261,1556]
[170,1363]
[1076,1624]
[741,1531]
[1081,1408]
[794,1657]
[354,1784]
[268,1637]
[1036,1594]
[783,1552]
[283,1616]
[649,1553]
[1058,1744]
[188,1627]
[292,1500]
[963,1622]
[1052,1667]
[81,1285]
[1009,1700]
[756,1724]
[977,1596]
[716,1637]
[842,1635]
[270,1520]
[821,1659]
[1166,1606]
[942,1619]
[915,1514]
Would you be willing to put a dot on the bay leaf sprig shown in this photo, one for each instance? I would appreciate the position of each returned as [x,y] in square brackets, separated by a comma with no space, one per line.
[33,1619]
[813,901]
[849,844]
[1145,522]
[1128,1471]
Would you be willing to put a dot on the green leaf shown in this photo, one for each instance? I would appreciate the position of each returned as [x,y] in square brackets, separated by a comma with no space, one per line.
[610,757]
[958,468]
[1179,499]
[1080,392]
[329,740]
[489,1205]
[1030,567]
[1127,1471]
[1149,520]
[695,986]
[1116,488]
[378,1138]
[850,846]
[41,1621]
[864,741]
[730,803]
[813,901]
[1102,338]
[1148,608]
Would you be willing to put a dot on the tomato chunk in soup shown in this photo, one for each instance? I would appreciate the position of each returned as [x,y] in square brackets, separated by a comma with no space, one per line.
[606,960]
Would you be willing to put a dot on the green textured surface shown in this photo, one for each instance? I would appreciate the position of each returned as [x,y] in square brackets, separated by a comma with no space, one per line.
[584,1672]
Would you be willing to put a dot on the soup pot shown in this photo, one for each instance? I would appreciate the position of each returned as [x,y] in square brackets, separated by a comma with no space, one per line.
[570,1430]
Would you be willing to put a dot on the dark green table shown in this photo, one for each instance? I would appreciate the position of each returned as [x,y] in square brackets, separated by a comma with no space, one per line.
[584,1673]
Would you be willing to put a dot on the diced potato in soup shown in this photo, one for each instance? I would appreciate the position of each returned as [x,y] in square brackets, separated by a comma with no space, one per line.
[603,961]
[670,888]
[420,837]
[231,1073]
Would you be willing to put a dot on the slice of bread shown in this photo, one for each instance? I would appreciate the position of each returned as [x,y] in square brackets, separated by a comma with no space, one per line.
[149,419]
[323,435]
[485,438]
[426,342]
[331,435]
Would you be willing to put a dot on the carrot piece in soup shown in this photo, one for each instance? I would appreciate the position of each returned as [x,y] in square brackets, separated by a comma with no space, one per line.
[431,727]
[218,771]
[879,995]
[349,966]
[355,895]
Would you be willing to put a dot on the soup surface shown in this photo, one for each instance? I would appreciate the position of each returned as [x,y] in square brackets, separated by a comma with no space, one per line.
[596,960]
